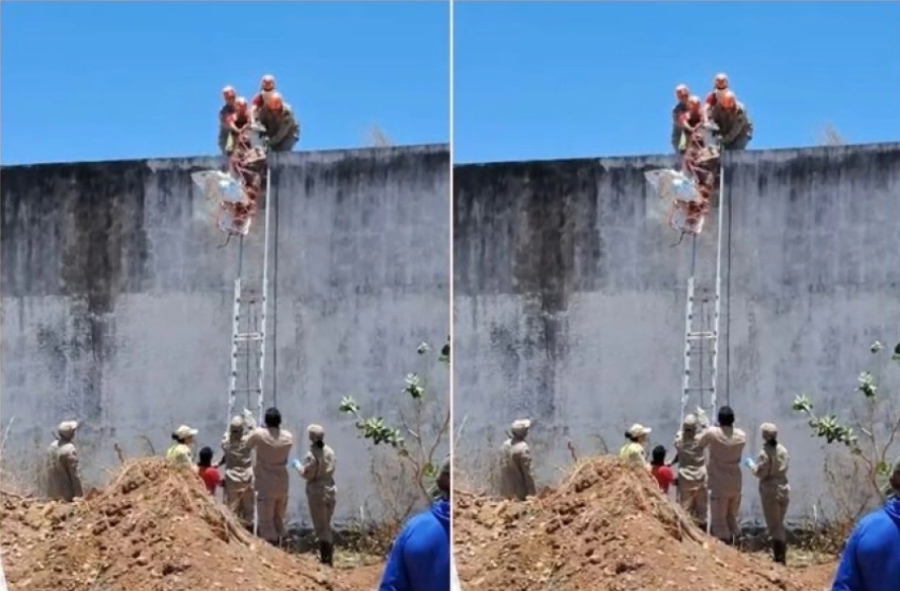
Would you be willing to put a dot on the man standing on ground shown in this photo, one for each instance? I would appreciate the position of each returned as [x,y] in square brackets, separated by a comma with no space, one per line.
[273,447]
[771,467]
[64,476]
[420,558]
[726,444]
[321,493]
[517,481]
[238,461]
[871,558]
[691,492]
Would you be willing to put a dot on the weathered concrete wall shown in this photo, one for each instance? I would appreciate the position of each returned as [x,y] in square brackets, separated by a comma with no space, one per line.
[570,298]
[117,302]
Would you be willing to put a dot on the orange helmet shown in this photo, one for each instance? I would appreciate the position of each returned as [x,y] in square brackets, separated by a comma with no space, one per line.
[727,100]
[721,81]
[275,102]
[229,93]
[241,103]
[694,102]
[682,92]
[267,82]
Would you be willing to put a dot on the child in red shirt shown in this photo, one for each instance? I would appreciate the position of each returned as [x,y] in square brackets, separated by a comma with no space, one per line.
[209,473]
[664,475]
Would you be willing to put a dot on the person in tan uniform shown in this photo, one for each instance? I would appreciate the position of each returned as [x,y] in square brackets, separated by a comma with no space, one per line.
[64,475]
[273,447]
[733,121]
[725,444]
[237,457]
[321,493]
[771,467]
[691,491]
[280,123]
[516,480]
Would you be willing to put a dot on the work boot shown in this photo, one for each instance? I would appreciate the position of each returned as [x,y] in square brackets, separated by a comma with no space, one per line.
[779,550]
[323,552]
[329,554]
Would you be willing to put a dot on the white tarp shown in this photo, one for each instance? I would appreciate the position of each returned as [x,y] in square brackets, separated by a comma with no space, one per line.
[672,185]
[218,186]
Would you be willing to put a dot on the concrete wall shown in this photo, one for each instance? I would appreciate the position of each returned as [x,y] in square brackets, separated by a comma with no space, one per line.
[570,298]
[116,300]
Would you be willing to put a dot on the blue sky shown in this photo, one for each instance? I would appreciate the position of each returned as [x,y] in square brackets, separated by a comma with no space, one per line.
[542,80]
[108,81]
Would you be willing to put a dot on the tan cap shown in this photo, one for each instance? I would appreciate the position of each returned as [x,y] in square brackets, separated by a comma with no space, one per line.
[67,428]
[769,429]
[521,425]
[638,430]
[689,422]
[184,431]
[315,432]
[237,423]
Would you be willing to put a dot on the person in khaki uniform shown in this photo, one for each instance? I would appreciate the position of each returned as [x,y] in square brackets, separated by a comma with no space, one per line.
[516,479]
[691,492]
[64,476]
[237,457]
[725,444]
[280,123]
[321,494]
[771,468]
[273,447]
[180,452]
[735,126]
[682,94]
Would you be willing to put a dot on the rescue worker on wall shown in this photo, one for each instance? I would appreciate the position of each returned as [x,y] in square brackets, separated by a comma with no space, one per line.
[735,126]
[516,479]
[771,467]
[634,450]
[230,96]
[273,448]
[180,453]
[259,100]
[682,94]
[64,475]
[281,126]
[237,457]
[720,85]
[725,444]
[321,493]
[691,492]
[236,122]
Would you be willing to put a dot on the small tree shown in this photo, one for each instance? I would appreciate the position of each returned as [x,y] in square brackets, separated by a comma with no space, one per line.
[378,139]
[423,424]
[879,424]
[830,137]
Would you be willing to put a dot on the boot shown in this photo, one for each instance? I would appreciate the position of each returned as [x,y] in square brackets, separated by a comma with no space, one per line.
[779,549]
[329,554]
[323,552]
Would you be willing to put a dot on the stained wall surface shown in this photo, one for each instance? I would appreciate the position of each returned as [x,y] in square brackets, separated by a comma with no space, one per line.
[117,301]
[570,300]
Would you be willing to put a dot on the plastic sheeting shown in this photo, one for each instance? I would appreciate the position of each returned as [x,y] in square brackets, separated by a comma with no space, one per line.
[672,185]
[218,186]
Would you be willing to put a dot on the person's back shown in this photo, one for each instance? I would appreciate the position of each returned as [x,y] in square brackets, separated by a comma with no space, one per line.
[64,475]
[420,557]
[871,559]
[516,479]
[726,447]
[273,448]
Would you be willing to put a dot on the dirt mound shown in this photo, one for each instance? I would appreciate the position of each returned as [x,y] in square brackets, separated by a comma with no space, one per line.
[607,528]
[154,527]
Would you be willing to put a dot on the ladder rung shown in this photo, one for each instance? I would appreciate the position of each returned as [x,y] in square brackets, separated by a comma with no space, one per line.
[700,390]
[245,391]
[249,336]
[701,335]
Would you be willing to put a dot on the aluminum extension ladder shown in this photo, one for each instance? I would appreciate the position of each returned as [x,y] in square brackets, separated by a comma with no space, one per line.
[701,344]
[248,334]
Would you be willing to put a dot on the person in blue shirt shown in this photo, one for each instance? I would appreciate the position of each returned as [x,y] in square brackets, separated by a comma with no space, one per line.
[420,557]
[871,558]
